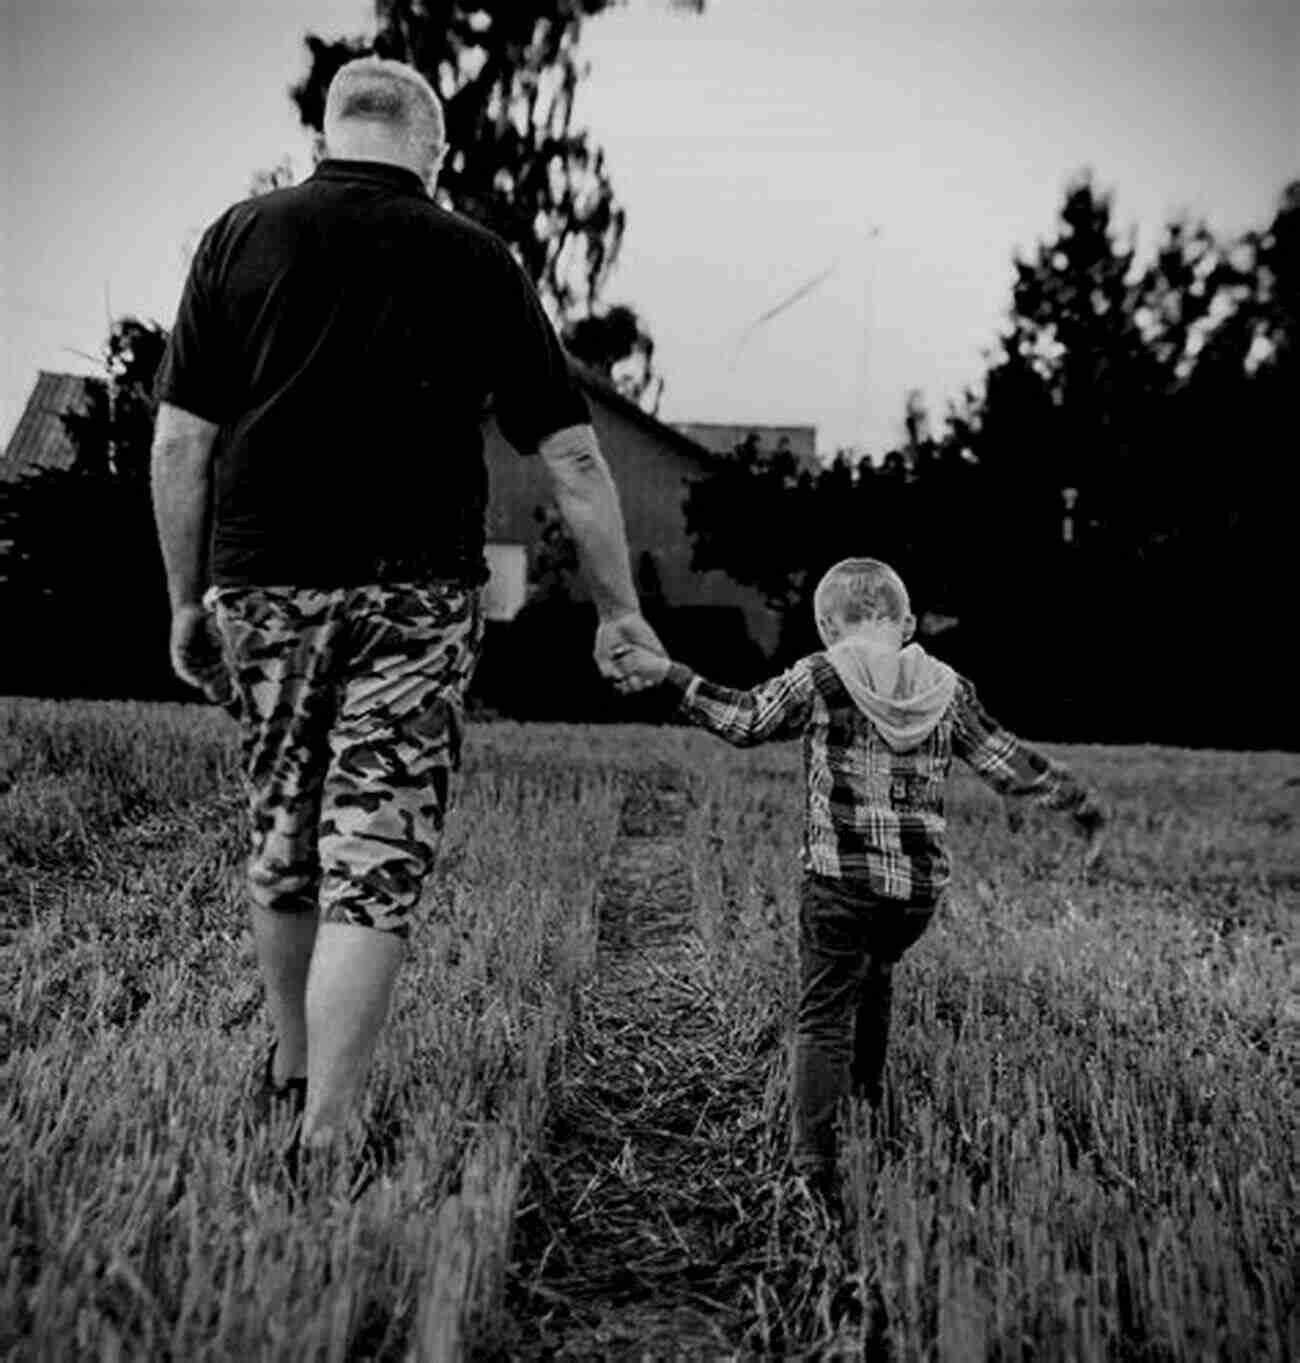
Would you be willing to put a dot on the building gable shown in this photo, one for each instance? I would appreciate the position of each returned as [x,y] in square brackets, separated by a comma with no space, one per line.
[39,440]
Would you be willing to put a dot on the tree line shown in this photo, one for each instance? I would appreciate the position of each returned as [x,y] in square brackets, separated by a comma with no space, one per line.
[1106,518]
[1102,517]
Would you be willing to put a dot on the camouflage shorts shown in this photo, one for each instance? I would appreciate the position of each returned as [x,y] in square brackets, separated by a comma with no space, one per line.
[351,701]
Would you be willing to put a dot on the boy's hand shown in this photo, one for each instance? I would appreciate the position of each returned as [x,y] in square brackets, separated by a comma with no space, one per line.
[639,663]
[1093,828]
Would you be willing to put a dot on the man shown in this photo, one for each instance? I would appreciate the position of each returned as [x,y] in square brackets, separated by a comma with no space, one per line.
[319,483]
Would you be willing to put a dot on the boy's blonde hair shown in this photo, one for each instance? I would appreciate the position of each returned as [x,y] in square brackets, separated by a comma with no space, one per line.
[857,590]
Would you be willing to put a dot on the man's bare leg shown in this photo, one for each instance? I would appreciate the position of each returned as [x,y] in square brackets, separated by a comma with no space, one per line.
[349,988]
[284,950]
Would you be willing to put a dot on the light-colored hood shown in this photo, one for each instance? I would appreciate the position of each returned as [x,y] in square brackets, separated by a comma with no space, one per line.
[903,692]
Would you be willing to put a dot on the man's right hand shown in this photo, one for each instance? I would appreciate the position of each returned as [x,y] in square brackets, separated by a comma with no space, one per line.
[624,630]
[196,653]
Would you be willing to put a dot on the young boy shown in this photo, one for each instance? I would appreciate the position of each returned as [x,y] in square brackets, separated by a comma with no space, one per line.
[881,721]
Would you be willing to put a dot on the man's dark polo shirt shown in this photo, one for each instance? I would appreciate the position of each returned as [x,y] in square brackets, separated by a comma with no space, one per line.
[347,336]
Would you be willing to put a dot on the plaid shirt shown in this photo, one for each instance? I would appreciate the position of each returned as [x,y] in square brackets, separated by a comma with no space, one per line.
[874,816]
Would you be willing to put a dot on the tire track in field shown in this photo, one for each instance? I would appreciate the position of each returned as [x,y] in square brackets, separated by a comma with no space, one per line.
[641,1228]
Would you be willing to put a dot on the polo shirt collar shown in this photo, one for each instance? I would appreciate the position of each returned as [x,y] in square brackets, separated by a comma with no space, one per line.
[373,172]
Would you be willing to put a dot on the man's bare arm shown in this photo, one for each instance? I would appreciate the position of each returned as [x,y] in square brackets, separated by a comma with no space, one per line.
[588,502]
[180,475]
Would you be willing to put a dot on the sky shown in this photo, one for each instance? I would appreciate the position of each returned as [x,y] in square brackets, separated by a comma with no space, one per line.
[909,147]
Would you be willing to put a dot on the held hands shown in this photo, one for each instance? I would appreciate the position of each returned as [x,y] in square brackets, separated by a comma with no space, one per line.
[642,666]
[196,654]
[617,641]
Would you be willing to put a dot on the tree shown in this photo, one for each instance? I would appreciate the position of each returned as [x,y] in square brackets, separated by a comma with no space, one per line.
[1074,400]
[83,592]
[749,516]
[1064,439]
[615,342]
[507,73]
[1233,417]
[1144,401]
[1114,491]
[777,526]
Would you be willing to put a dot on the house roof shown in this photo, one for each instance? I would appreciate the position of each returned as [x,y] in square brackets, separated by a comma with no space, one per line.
[598,386]
[723,436]
[39,440]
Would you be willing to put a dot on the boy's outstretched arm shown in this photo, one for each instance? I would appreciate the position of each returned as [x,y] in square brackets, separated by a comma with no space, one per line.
[1013,768]
[775,710]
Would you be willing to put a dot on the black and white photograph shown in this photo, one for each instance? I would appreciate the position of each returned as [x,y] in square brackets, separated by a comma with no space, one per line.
[645,712]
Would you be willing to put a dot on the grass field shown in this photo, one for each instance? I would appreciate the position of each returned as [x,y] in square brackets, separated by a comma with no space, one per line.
[1089,1150]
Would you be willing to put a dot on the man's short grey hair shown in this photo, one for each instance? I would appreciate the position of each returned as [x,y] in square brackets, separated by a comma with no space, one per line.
[392,94]
[861,589]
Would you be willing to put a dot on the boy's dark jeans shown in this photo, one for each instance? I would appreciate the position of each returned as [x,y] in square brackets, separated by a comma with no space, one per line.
[849,941]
